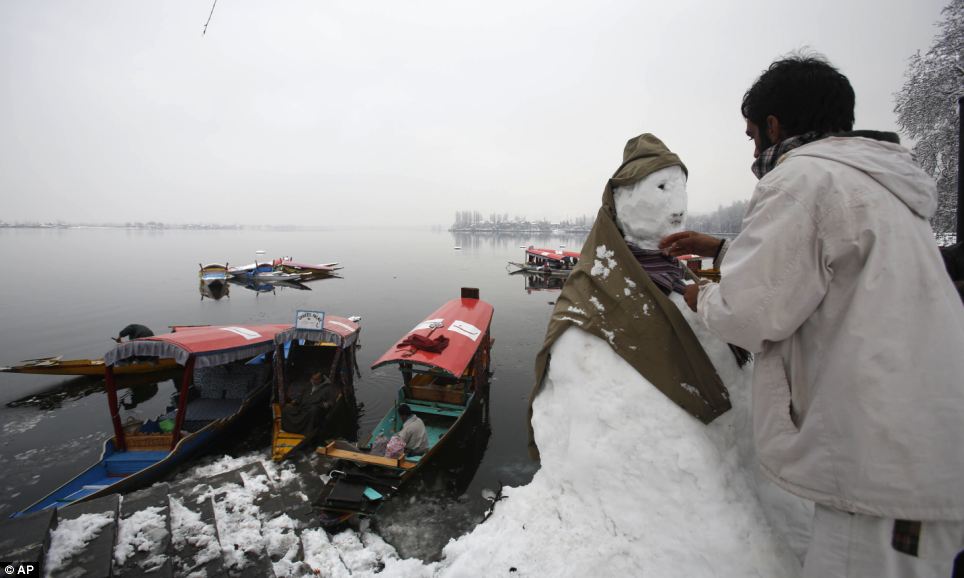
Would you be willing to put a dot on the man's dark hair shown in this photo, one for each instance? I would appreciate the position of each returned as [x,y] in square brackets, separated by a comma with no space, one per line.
[805,93]
[404,410]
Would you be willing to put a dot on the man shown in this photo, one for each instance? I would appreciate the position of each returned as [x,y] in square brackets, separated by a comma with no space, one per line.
[132,332]
[837,285]
[413,431]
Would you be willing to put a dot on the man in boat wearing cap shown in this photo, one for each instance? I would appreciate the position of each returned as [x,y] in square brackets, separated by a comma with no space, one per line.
[837,286]
[132,332]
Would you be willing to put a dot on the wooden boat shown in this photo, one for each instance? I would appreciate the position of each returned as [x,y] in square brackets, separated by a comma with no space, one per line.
[307,270]
[442,388]
[229,368]
[555,262]
[213,273]
[263,272]
[329,351]
[90,367]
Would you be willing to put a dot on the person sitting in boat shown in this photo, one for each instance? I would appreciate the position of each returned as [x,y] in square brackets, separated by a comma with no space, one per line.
[308,405]
[132,332]
[413,432]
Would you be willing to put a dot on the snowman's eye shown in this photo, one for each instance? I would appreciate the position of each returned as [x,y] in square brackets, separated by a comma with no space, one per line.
[662,186]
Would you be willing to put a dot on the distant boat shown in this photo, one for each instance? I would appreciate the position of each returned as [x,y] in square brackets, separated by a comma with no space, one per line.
[307,270]
[263,272]
[213,273]
[555,262]
[231,374]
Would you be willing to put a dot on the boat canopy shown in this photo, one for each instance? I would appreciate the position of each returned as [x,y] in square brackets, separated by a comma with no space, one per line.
[465,322]
[338,330]
[209,344]
[553,254]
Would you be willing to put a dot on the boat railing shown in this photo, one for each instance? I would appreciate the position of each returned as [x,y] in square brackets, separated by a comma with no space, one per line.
[341,450]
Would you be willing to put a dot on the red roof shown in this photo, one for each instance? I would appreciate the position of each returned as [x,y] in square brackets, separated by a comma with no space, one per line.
[210,344]
[464,321]
[339,330]
[554,254]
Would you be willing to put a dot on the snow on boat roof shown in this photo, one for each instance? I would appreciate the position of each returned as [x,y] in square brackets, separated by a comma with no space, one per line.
[210,344]
[555,254]
[464,321]
[338,330]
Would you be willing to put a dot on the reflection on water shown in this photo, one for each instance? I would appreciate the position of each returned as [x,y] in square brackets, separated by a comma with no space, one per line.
[537,282]
[139,390]
[214,290]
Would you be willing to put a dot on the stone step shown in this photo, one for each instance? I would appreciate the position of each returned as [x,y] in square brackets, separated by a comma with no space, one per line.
[144,534]
[236,495]
[94,521]
[194,536]
[26,539]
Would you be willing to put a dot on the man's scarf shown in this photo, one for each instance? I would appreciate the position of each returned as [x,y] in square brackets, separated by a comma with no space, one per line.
[768,159]
[665,271]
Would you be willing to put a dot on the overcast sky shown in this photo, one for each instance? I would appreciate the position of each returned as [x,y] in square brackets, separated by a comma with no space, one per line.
[373,112]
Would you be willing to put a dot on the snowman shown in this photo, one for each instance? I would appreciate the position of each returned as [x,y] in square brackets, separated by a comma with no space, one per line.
[640,419]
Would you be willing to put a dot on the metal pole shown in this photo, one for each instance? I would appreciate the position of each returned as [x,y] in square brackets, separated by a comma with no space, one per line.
[960,191]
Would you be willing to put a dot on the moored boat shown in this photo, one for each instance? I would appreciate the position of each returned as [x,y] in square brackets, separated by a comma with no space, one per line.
[555,262]
[265,272]
[444,365]
[226,374]
[304,412]
[213,273]
[88,367]
[309,271]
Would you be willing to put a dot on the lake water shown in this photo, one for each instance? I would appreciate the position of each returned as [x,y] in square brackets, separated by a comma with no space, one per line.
[69,290]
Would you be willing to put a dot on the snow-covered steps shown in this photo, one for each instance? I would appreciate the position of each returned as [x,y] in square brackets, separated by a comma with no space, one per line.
[239,518]
[143,546]
[82,543]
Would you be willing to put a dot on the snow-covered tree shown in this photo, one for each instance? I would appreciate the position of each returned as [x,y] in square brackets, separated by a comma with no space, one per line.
[927,110]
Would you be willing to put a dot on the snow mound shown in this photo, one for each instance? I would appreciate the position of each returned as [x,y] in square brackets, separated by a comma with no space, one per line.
[629,483]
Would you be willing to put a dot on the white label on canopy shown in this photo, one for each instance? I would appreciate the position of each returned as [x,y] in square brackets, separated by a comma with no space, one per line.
[430,324]
[466,329]
[342,325]
[313,320]
[246,333]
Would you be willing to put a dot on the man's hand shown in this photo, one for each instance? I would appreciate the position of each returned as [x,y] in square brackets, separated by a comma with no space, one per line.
[692,292]
[689,243]
[117,339]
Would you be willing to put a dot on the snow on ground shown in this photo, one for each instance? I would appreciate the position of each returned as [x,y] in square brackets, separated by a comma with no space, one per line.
[630,484]
[72,536]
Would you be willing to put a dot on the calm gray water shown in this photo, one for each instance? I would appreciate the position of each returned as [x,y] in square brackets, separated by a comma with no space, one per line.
[68,291]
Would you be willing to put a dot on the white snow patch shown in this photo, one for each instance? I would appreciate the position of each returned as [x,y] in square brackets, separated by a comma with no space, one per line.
[574,309]
[604,262]
[283,545]
[595,303]
[71,537]
[321,556]
[629,282]
[142,531]
[239,526]
[572,319]
[689,388]
[610,336]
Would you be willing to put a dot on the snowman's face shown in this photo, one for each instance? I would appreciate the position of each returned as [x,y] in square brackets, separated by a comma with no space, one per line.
[652,208]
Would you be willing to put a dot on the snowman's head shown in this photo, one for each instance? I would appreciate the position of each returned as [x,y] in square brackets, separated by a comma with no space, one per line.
[651,208]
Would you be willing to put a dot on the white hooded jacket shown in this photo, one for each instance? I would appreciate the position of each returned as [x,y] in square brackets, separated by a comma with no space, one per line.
[836,283]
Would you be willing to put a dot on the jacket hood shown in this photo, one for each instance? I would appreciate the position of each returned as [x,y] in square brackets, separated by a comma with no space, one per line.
[889,164]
